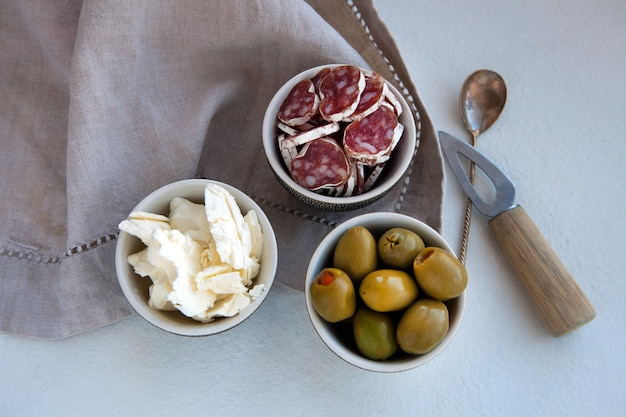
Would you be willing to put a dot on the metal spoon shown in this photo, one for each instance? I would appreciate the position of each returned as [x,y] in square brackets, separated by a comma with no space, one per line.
[481,102]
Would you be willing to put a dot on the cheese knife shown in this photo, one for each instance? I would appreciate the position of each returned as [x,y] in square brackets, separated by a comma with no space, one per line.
[561,303]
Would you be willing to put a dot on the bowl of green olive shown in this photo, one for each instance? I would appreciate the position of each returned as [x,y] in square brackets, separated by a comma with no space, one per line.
[385,292]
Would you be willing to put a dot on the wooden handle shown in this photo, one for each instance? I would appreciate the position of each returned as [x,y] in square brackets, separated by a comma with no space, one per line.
[560,301]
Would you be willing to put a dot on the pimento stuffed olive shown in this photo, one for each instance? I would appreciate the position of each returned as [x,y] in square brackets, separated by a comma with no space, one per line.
[332,295]
[439,273]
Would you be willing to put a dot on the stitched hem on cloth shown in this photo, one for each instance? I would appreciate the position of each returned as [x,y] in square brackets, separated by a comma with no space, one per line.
[33,256]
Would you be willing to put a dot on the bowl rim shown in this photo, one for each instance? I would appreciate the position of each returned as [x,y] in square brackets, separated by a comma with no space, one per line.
[272,154]
[180,324]
[394,220]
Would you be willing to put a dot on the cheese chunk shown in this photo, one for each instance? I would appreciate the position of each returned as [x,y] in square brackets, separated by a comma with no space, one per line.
[256,234]
[228,306]
[184,253]
[230,232]
[189,219]
[143,227]
[223,283]
[161,284]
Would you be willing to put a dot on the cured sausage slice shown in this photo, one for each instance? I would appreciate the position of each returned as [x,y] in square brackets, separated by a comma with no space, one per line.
[308,135]
[371,139]
[340,91]
[300,104]
[373,177]
[317,80]
[372,96]
[288,153]
[321,164]
[289,130]
[391,98]
[356,181]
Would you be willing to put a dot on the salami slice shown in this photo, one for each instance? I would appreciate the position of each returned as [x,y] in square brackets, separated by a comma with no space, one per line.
[309,135]
[371,139]
[321,164]
[391,98]
[288,152]
[340,91]
[300,104]
[373,177]
[317,80]
[356,181]
[289,130]
[371,98]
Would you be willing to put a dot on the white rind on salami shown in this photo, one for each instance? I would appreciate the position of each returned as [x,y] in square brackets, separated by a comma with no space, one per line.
[288,153]
[294,130]
[340,91]
[289,130]
[397,135]
[309,135]
[354,185]
[321,164]
[300,105]
[391,98]
[373,177]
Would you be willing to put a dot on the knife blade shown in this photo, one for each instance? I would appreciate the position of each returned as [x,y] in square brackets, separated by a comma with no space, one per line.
[561,303]
[505,189]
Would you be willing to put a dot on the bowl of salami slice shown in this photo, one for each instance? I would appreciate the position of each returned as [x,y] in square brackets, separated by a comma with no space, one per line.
[338,137]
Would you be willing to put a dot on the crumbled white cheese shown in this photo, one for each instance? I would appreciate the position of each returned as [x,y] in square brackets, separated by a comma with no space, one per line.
[190,219]
[256,291]
[202,259]
[143,225]
[230,233]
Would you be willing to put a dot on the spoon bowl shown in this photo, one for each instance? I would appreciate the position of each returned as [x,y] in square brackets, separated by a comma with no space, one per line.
[482,100]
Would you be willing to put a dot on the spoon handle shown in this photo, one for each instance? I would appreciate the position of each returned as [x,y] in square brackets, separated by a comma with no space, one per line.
[468,209]
[561,303]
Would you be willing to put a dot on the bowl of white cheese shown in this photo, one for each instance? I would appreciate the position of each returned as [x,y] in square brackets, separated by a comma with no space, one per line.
[196,257]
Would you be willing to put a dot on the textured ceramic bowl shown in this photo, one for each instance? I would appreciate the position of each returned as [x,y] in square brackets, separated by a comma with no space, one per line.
[338,338]
[393,172]
[135,288]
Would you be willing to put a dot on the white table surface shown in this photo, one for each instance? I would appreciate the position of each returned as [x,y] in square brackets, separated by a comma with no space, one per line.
[561,138]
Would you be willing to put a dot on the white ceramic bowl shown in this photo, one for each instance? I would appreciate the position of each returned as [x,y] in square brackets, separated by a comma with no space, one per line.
[135,288]
[393,172]
[338,338]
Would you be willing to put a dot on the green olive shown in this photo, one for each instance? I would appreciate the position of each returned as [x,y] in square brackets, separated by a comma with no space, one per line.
[374,333]
[333,295]
[388,290]
[423,326]
[355,253]
[439,273]
[398,247]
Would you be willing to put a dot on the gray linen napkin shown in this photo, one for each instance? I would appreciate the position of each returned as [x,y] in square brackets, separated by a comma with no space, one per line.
[105,101]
